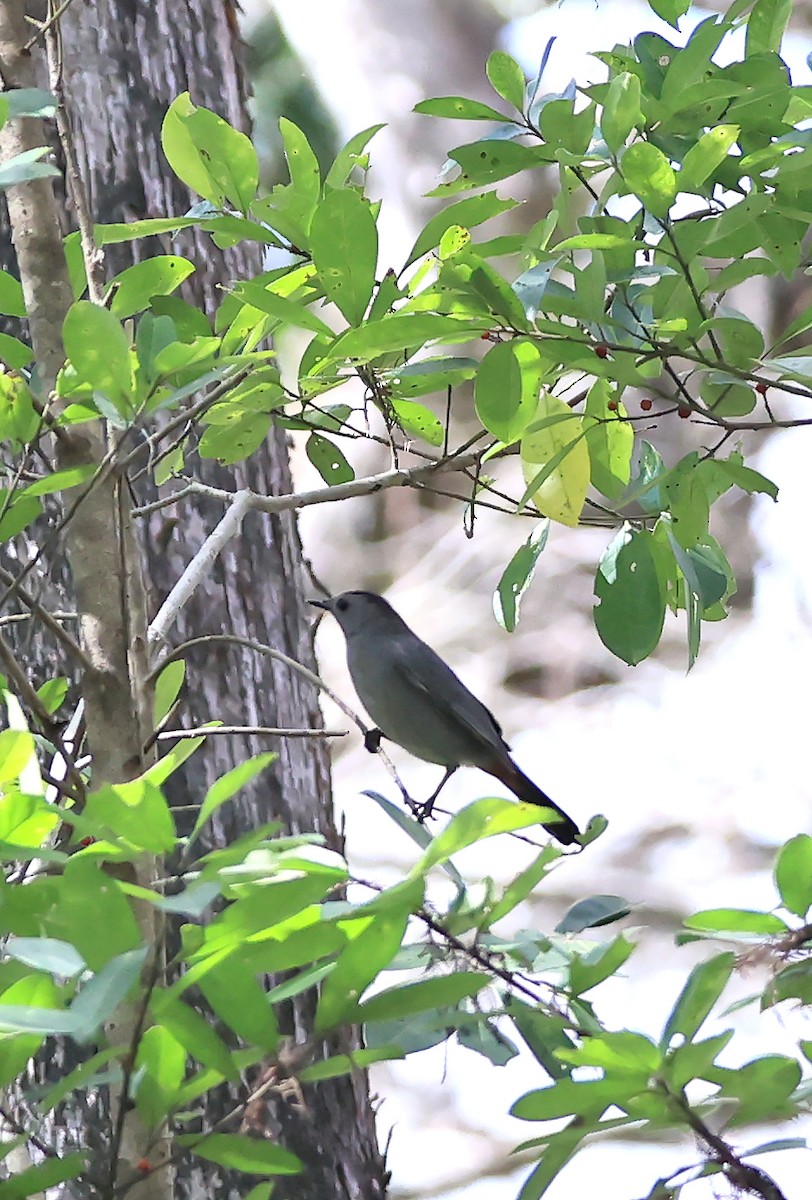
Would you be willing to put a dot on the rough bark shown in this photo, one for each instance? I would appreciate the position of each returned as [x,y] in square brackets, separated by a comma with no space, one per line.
[124,62]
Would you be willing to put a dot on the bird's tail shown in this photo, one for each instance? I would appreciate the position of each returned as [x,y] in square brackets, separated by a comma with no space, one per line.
[562,827]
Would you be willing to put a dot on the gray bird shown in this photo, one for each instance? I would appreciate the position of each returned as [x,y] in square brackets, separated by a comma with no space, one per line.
[417,701]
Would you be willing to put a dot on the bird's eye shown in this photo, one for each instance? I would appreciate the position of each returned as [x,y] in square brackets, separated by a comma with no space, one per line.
[342,605]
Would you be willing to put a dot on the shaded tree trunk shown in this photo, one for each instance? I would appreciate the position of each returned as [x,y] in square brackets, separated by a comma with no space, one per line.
[124,62]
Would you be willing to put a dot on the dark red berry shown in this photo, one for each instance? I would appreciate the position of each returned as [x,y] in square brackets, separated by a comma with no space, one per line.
[144,1165]
[761,388]
[646,405]
[602,350]
[612,405]
[87,841]
[683,411]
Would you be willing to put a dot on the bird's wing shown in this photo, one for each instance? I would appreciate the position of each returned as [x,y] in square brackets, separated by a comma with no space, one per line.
[440,689]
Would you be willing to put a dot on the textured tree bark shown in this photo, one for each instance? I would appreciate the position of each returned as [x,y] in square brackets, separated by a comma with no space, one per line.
[124,62]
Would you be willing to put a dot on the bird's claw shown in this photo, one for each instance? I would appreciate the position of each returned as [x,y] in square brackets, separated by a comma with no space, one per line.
[372,740]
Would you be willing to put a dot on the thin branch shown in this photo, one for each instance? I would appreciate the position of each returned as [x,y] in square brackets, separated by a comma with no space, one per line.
[260,730]
[17,618]
[244,501]
[200,566]
[744,1176]
[44,26]
[232,639]
[145,509]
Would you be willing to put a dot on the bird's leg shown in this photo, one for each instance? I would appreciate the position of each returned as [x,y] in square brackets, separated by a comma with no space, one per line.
[372,740]
[427,808]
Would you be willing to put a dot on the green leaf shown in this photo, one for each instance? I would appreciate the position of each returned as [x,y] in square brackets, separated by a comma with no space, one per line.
[17,750]
[592,913]
[507,388]
[100,997]
[135,287]
[763,1088]
[398,332]
[344,245]
[703,988]
[328,460]
[793,983]
[212,158]
[482,1035]
[345,1064]
[766,25]
[160,1066]
[229,784]
[746,478]
[490,160]
[12,302]
[349,157]
[13,352]
[618,1054]
[586,1097]
[52,693]
[599,964]
[793,874]
[255,1156]
[167,689]
[430,375]
[468,213]
[517,577]
[99,350]
[373,942]
[195,1034]
[37,1179]
[706,156]
[418,421]
[413,829]
[694,1060]
[47,954]
[30,102]
[22,168]
[136,812]
[648,173]
[630,613]
[737,920]
[610,441]
[621,110]
[670,11]
[289,312]
[507,78]
[444,991]
[559,488]
[459,109]
[482,819]
[93,914]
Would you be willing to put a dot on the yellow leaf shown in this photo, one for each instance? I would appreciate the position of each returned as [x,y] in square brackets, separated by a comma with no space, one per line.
[559,444]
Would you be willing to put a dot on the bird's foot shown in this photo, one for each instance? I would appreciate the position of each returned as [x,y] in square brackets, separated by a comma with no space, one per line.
[372,740]
[422,812]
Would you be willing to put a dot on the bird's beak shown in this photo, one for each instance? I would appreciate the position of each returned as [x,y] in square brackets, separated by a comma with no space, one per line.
[325,604]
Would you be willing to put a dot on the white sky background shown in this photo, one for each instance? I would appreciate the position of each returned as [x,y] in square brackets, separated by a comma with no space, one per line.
[702,776]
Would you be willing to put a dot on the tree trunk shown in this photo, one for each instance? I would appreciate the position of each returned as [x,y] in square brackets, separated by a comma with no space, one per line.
[124,62]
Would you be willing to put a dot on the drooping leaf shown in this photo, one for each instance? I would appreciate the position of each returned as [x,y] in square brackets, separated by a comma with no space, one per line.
[344,245]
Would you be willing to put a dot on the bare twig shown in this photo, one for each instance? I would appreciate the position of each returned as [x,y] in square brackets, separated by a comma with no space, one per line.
[260,730]
[200,566]
[270,652]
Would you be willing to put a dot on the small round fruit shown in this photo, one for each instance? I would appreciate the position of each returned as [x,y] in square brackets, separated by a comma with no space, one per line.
[612,405]
[683,411]
[602,350]
[646,405]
